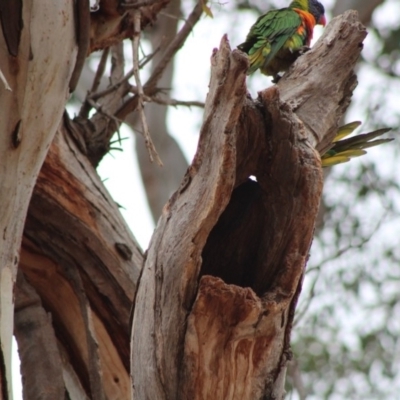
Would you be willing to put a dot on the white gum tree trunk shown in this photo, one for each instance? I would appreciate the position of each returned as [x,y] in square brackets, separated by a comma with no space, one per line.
[37,56]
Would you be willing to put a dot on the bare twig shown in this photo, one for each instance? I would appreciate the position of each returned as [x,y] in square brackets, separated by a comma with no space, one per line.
[138,4]
[98,95]
[174,46]
[172,16]
[135,47]
[168,101]
[99,108]
[100,70]
[83,38]
[104,123]
[84,111]
[118,140]
[300,314]
[110,89]
[149,57]
[174,102]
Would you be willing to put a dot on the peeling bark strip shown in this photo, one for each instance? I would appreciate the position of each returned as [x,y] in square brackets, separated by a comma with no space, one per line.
[81,259]
[234,344]
[37,345]
[231,342]
[112,23]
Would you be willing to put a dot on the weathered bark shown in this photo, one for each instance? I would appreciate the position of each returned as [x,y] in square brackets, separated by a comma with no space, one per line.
[203,338]
[168,286]
[112,23]
[36,339]
[37,70]
[81,259]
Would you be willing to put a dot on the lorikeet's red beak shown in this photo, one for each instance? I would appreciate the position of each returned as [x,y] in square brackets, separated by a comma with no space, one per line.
[322,20]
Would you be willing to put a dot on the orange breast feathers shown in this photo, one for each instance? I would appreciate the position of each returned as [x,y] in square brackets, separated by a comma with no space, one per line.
[307,24]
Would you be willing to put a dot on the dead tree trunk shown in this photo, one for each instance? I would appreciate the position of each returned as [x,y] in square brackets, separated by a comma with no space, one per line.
[196,336]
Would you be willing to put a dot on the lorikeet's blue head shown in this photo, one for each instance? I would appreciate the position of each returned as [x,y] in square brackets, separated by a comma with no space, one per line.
[318,12]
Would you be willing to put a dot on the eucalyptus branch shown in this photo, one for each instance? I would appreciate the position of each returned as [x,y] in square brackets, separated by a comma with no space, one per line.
[149,57]
[100,70]
[141,96]
[110,89]
[84,111]
[167,101]
[100,108]
[174,46]
[175,103]
[172,16]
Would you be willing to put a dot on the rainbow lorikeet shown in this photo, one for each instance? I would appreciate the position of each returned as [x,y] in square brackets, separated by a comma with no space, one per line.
[343,150]
[280,36]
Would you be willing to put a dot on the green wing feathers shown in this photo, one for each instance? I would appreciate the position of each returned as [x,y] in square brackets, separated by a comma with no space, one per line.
[343,150]
[269,35]
[276,39]
[273,44]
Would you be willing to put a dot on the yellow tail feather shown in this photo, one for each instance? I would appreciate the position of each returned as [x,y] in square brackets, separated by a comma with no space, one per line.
[346,130]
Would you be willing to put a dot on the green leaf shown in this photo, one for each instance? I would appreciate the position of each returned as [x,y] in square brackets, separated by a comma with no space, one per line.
[206,9]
